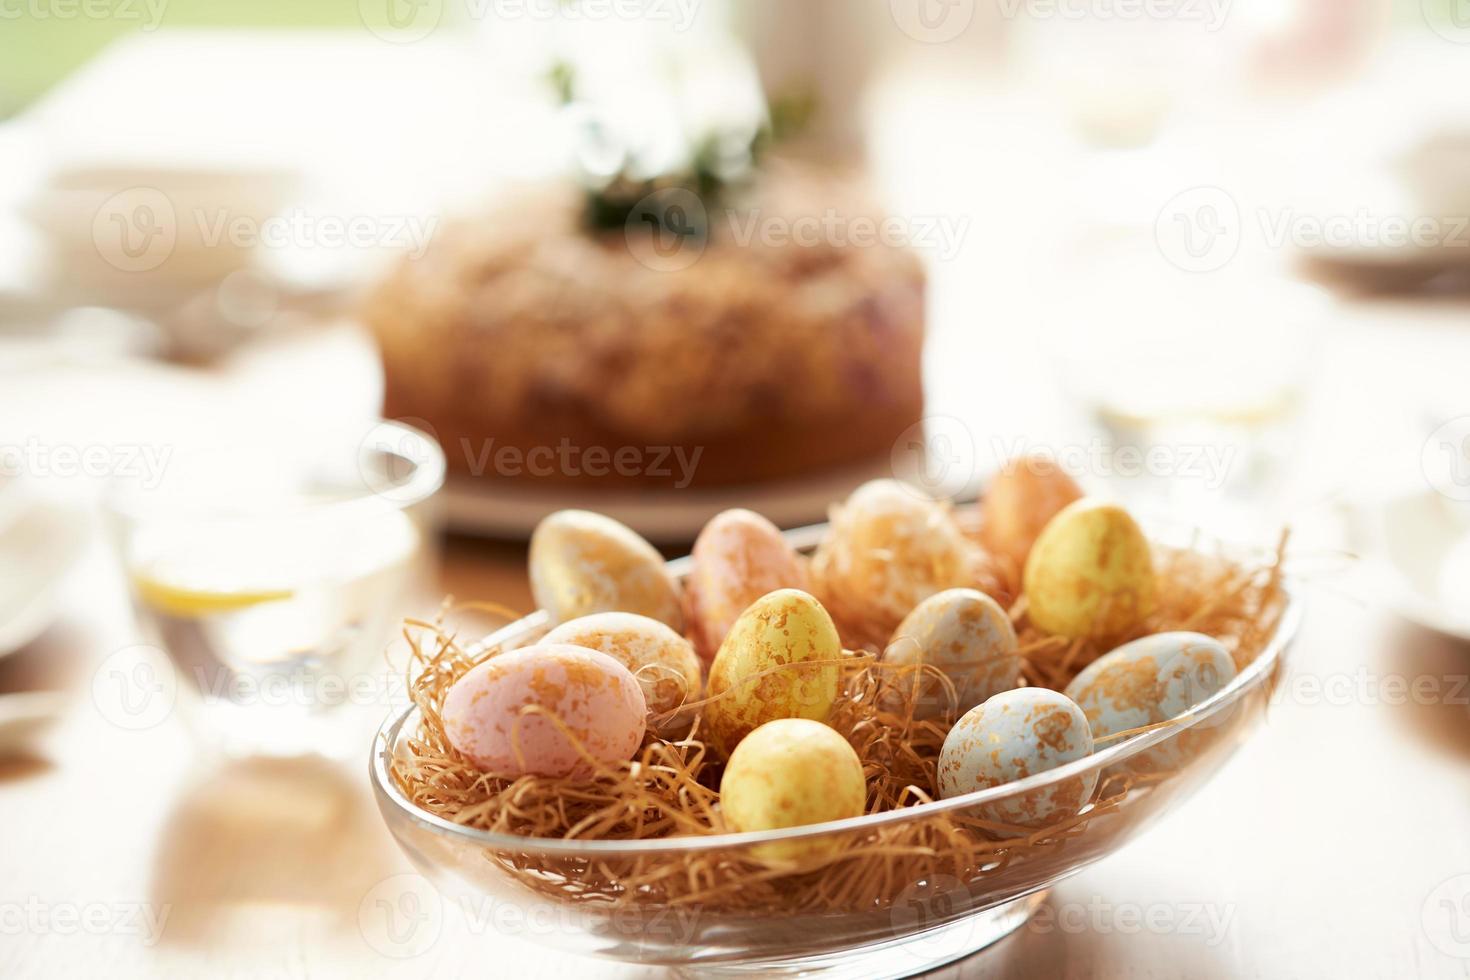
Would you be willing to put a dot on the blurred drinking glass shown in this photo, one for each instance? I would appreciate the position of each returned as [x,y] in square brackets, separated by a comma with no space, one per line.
[272,576]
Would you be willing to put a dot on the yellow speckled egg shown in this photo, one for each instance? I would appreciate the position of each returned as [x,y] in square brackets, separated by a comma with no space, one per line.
[889,548]
[1017,734]
[789,773]
[583,563]
[786,627]
[968,636]
[1090,574]
[738,557]
[595,697]
[1020,500]
[662,660]
[1152,680]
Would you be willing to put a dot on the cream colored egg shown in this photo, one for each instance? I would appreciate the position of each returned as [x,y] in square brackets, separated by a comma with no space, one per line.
[778,661]
[738,557]
[1090,573]
[888,549]
[662,660]
[1020,500]
[792,772]
[497,713]
[1017,734]
[584,563]
[1150,681]
[968,636]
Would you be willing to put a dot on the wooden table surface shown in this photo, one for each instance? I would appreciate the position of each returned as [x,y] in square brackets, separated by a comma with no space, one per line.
[1333,845]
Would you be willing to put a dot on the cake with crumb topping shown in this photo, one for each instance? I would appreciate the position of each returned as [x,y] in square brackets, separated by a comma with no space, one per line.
[781,337]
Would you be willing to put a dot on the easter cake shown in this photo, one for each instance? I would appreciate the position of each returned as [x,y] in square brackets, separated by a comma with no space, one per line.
[540,343]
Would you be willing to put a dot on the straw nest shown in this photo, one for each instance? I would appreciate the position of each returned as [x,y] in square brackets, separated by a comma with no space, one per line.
[671,788]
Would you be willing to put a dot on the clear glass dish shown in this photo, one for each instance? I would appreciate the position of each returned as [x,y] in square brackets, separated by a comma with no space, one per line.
[529,886]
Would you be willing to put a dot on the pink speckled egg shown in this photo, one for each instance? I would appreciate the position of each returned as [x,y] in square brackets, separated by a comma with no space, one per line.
[595,697]
[738,557]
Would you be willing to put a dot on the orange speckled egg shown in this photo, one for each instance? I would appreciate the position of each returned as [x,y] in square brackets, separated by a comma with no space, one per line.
[1017,734]
[889,548]
[1149,681]
[662,660]
[583,563]
[1019,502]
[1090,574]
[594,696]
[738,557]
[968,636]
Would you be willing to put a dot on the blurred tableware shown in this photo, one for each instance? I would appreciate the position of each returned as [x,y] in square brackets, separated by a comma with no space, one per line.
[272,574]
[24,716]
[127,230]
[1417,544]
[39,542]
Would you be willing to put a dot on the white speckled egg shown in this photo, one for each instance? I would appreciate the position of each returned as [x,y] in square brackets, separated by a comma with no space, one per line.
[1152,680]
[593,695]
[1017,734]
[738,557]
[889,548]
[583,563]
[662,660]
[968,636]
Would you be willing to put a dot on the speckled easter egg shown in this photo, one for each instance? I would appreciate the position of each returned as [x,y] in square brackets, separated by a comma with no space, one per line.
[789,773]
[584,563]
[1017,734]
[965,634]
[663,661]
[765,668]
[738,557]
[889,548]
[1020,500]
[1090,573]
[595,697]
[1149,681]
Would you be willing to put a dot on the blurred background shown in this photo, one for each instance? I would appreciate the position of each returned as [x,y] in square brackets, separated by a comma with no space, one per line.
[309,311]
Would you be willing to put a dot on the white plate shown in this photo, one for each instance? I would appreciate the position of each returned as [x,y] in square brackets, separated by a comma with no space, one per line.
[1419,545]
[38,546]
[662,516]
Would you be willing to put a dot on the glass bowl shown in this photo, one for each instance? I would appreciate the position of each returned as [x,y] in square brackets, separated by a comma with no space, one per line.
[933,911]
